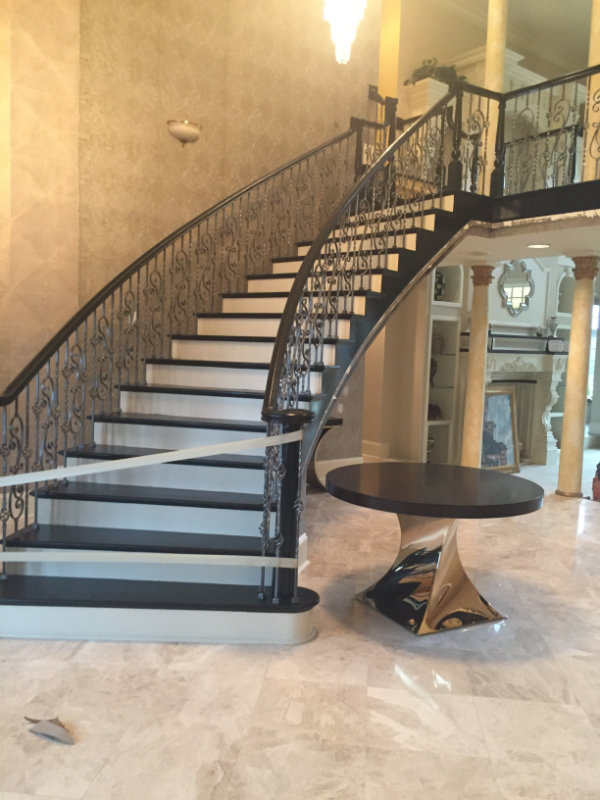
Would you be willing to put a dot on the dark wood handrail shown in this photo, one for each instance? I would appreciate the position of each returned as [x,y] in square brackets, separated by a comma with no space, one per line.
[29,372]
[269,411]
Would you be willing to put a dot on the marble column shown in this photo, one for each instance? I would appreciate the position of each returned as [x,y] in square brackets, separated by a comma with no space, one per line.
[495,46]
[573,430]
[475,385]
[594,42]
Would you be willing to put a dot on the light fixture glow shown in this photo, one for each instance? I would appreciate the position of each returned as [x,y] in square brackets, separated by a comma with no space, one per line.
[538,246]
[183,130]
[343,17]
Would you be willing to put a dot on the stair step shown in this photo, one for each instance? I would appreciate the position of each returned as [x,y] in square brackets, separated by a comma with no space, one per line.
[64,537]
[235,348]
[115,610]
[228,375]
[145,495]
[144,507]
[112,452]
[282,282]
[245,302]
[214,473]
[388,261]
[232,324]
[408,240]
[186,401]
[172,432]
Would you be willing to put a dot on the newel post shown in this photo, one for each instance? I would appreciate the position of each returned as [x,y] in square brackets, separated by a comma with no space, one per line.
[291,504]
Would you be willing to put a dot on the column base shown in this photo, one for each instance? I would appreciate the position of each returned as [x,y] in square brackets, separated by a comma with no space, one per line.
[560,493]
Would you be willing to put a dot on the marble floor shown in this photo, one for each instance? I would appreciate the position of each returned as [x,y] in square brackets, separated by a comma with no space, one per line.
[366,711]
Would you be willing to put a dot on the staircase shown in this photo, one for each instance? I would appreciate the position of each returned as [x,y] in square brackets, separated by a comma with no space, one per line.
[209,390]
[244,323]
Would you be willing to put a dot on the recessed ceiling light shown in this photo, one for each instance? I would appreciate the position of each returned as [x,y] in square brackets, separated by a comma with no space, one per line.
[538,246]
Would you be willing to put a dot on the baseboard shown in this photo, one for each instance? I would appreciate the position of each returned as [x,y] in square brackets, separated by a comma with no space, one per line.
[375,449]
[155,625]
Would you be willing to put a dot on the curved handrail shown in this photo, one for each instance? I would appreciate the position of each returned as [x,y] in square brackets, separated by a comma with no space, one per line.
[29,372]
[269,411]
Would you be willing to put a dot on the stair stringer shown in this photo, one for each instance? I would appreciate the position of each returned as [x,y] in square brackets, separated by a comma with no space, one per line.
[365,329]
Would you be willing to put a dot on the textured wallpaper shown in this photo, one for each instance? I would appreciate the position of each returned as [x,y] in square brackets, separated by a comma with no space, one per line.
[261,79]
[39,82]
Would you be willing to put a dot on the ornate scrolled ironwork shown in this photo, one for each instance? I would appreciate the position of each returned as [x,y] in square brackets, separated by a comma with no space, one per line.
[52,404]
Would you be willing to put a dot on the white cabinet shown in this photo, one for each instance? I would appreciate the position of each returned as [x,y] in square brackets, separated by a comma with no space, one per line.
[439,429]
[421,410]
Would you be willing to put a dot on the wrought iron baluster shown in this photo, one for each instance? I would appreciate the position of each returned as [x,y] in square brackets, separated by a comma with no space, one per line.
[4,512]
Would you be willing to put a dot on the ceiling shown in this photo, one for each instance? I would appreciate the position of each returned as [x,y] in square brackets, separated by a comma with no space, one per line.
[553,35]
[576,234]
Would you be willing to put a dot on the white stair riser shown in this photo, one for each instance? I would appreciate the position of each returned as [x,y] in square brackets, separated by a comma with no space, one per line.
[418,208]
[234,351]
[247,576]
[142,516]
[181,476]
[165,437]
[227,326]
[249,304]
[155,625]
[424,220]
[187,405]
[406,240]
[285,284]
[215,377]
[232,326]
[387,261]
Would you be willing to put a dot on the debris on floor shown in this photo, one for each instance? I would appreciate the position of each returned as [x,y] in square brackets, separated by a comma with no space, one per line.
[52,729]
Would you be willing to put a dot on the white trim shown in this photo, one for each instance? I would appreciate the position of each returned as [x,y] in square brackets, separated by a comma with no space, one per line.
[60,473]
[117,557]
[156,625]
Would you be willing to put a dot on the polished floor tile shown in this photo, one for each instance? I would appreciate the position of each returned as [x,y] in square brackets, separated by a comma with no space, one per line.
[366,711]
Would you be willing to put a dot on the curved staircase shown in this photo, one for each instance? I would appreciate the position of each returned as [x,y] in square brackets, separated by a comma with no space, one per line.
[245,323]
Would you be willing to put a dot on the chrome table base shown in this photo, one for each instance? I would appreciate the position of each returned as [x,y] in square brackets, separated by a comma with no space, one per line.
[427,589]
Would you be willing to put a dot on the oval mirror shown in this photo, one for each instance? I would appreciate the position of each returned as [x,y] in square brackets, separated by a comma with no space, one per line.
[516,287]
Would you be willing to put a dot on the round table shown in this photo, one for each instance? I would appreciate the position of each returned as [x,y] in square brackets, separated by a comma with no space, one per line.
[427,589]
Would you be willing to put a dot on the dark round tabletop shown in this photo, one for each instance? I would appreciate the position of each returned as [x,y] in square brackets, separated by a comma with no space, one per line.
[434,490]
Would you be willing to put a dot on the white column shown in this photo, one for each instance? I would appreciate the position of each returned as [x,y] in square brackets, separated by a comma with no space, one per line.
[594,43]
[573,430]
[495,46]
[475,386]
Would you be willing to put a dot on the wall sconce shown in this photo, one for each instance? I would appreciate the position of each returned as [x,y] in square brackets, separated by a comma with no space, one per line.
[343,17]
[183,130]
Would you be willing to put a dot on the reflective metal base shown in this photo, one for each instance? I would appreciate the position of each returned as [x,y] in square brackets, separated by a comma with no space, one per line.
[427,589]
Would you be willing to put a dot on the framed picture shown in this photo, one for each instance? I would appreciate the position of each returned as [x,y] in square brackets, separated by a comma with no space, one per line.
[500,445]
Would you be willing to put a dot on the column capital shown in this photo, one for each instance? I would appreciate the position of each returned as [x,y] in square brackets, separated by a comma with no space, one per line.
[481,274]
[585,267]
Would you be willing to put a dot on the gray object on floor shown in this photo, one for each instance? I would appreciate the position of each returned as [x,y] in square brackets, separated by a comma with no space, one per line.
[52,729]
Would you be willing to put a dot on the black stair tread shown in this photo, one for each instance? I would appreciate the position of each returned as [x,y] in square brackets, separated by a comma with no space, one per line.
[357,273]
[207,337]
[75,537]
[262,295]
[248,394]
[137,418]
[152,495]
[249,315]
[196,362]
[109,452]
[384,251]
[110,593]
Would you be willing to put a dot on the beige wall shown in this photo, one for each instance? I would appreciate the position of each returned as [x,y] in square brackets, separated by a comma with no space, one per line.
[260,78]
[90,178]
[39,99]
